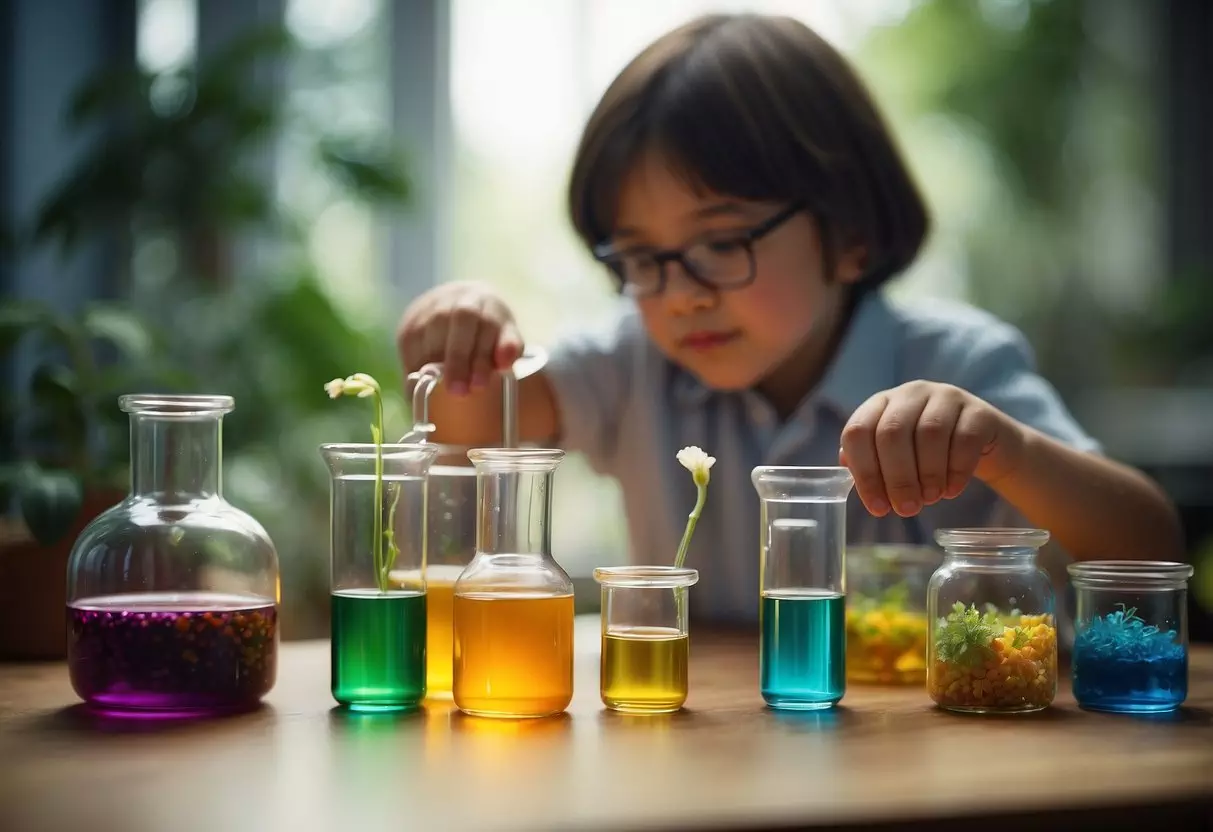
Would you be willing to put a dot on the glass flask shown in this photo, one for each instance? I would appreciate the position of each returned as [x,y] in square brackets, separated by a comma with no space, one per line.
[513,604]
[377,544]
[802,652]
[1131,635]
[172,595]
[645,639]
[992,646]
[451,513]
[887,613]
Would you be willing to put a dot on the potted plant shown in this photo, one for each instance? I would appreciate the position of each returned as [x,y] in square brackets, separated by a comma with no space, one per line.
[70,453]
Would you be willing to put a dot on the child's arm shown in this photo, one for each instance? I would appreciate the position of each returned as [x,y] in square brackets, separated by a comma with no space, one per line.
[923,441]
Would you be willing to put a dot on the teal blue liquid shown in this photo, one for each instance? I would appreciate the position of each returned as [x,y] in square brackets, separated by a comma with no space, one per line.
[802,655]
[378,652]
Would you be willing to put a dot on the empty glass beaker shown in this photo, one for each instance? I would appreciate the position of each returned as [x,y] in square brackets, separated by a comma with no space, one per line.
[513,603]
[645,637]
[451,513]
[172,595]
[887,612]
[802,653]
[377,517]
[992,646]
[1131,635]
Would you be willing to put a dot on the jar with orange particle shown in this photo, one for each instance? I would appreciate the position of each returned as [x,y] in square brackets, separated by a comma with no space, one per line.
[992,645]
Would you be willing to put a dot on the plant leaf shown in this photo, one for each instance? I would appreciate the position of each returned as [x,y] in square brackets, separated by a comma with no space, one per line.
[20,317]
[374,173]
[50,502]
[121,327]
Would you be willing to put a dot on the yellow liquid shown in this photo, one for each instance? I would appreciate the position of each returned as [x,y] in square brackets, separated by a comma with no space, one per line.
[886,646]
[513,654]
[644,669]
[439,636]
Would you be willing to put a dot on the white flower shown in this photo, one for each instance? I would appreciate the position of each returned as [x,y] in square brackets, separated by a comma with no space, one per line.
[698,463]
[359,384]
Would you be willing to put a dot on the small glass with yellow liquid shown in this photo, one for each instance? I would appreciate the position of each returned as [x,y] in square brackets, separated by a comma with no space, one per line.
[513,604]
[887,612]
[645,637]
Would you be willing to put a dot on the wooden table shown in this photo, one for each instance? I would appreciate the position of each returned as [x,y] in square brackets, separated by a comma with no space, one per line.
[886,756]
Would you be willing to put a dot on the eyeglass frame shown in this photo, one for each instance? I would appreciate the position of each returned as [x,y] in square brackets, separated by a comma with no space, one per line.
[747,237]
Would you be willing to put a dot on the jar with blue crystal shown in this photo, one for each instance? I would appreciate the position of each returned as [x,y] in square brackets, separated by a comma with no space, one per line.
[1131,635]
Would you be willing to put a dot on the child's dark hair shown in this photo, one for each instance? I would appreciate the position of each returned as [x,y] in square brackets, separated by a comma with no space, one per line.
[759,108]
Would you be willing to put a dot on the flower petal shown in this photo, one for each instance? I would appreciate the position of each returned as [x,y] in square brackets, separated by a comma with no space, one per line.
[335,388]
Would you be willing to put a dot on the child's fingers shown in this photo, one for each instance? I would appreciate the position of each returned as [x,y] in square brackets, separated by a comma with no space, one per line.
[969,438]
[932,438]
[895,450]
[483,360]
[509,345]
[463,323]
[858,453]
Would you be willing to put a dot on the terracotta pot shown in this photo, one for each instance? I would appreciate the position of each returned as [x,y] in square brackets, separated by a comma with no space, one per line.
[33,585]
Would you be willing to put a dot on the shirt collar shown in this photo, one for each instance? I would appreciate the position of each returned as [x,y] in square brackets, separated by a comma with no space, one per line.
[864,364]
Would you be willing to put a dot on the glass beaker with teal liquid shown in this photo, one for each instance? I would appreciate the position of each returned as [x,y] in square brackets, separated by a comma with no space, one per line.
[377,514]
[802,652]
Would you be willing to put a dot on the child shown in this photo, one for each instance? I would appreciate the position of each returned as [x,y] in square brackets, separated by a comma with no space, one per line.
[744,193]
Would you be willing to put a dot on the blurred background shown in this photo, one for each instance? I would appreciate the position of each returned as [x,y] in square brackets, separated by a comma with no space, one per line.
[241,196]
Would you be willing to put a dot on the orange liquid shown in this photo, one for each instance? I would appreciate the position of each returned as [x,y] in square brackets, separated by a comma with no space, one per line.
[439,631]
[513,654]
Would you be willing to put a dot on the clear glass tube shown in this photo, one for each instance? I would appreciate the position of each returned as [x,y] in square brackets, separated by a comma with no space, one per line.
[451,517]
[377,573]
[1131,635]
[513,611]
[645,637]
[992,645]
[173,593]
[802,652]
[887,613]
[451,545]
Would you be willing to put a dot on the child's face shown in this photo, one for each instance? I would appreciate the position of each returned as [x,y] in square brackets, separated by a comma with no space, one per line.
[778,326]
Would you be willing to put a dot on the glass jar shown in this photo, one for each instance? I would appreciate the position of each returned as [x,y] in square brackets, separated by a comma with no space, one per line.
[645,637]
[451,512]
[1131,635]
[513,617]
[377,572]
[802,651]
[887,613]
[172,595]
[992,646]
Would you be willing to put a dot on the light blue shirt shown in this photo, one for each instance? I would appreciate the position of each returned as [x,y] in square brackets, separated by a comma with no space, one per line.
[629,410]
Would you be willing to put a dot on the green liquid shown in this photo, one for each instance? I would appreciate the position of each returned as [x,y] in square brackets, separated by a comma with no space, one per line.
[378,651]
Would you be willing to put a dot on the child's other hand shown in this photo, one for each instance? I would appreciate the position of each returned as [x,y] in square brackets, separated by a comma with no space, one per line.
[467,327]
[921,442]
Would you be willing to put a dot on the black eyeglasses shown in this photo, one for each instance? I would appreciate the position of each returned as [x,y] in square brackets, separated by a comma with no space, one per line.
[718,261]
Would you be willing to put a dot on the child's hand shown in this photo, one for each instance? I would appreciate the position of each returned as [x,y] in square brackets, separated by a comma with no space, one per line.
[465,326]
[921,442]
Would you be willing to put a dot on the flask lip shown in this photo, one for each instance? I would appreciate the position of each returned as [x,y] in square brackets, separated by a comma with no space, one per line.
[646,577]
[991,542]
[176,406]
[802,483]
[1131,575]
[515,460]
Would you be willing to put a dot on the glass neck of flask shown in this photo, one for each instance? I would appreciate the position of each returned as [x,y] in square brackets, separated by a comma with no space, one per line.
[174,456]
[1010,559]
[515,510]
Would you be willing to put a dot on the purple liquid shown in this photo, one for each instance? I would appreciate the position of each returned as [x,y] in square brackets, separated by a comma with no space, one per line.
[193,651]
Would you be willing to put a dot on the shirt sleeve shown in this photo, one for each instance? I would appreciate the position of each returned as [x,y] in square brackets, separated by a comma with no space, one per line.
[1001,369]
[591,375]
[995,362]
